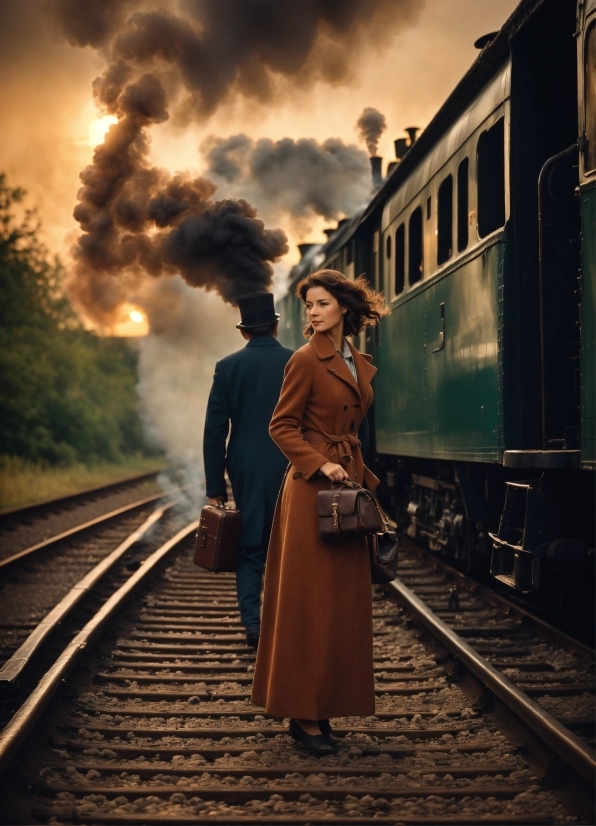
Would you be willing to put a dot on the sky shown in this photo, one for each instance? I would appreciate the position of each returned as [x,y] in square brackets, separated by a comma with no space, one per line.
[47,105]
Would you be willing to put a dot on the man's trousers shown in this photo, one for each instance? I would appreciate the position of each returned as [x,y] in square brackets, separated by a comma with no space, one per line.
[249,579]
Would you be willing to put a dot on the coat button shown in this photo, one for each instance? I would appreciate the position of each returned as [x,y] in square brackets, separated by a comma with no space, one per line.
[345,406]
[352,427]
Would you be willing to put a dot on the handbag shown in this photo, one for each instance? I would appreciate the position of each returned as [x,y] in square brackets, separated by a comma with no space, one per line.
[347,510]
[383,548]
[218,535]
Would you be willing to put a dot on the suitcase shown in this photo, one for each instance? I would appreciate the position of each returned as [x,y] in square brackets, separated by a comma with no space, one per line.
[218,534]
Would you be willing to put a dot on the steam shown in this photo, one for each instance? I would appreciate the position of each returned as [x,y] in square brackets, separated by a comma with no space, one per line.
[371,124]
[299,179]
[189,332]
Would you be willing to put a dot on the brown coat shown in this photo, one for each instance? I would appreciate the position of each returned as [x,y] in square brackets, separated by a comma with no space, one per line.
[315,657]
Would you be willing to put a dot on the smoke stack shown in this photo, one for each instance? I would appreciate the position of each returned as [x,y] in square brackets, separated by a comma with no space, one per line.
[403,144]
[329,231]
[485,40]
[304,249]
[377,176]
[401,147]
[342,222]
[391,167]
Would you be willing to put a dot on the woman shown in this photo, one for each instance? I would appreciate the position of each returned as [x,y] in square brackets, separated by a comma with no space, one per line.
[315,657]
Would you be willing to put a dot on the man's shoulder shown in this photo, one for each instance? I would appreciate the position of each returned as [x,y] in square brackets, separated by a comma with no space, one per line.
[227,361]
[249,355]
[271,351]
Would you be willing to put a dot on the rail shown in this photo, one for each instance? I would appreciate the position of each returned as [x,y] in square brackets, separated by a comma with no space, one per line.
[22,723]
[79,529]
[14,667]
[562,741]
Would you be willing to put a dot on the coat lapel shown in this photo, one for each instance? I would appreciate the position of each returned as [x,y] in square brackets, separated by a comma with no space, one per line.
[364,369]
[337,366]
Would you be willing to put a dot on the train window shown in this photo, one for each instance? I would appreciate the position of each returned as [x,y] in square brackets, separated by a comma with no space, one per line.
[350,252]
[388,246]
[400,258]
[491,179]
[462,205]
[428,207]
[445,220]
[590,96]
[415,248]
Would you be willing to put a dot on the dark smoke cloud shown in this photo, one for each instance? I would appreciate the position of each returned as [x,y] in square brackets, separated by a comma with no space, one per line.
[138,219]
[371,124]
[91,22]
[301,178]
[218,48]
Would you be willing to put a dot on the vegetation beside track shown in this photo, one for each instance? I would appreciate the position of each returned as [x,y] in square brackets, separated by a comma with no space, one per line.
[25,483]
[68,404]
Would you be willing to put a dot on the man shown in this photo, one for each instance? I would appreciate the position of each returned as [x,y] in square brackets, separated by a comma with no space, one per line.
[245,390]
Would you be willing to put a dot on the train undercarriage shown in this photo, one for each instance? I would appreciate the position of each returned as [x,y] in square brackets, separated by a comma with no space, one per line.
[532,531]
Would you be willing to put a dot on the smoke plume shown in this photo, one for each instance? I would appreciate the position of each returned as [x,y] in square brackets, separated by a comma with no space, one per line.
[138,219]
[371,124]
[238,47]
[299,179]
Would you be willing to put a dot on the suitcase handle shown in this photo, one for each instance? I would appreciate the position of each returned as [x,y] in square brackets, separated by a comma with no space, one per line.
[203,538]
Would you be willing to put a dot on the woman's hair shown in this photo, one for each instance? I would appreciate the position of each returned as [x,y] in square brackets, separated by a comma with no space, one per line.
[364,305]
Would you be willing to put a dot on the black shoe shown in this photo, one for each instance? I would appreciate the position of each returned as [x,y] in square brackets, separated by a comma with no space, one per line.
[327,733]
[252,639]
[315,743]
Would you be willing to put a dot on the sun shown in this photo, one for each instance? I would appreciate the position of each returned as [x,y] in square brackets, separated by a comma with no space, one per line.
[98,129]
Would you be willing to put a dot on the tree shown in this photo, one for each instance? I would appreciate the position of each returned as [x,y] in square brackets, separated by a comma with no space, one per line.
[65,394]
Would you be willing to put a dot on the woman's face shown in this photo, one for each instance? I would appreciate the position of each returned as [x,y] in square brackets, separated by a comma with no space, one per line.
[323,309]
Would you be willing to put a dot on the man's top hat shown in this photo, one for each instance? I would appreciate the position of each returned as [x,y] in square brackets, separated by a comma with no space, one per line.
[256,310]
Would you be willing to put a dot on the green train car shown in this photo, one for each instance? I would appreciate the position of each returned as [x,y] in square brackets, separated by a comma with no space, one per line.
[483,240]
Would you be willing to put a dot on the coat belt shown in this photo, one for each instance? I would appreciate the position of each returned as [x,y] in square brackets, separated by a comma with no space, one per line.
[346,443]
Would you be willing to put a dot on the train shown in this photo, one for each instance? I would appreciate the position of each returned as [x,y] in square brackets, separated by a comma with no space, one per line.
[482,237]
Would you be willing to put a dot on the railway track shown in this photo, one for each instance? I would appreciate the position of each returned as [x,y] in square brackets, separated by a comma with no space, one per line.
[145,718]
[24,528]
[554,672]
[39,583]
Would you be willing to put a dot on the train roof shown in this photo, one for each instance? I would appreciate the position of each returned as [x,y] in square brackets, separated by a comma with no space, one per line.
[342,234]
[486,65]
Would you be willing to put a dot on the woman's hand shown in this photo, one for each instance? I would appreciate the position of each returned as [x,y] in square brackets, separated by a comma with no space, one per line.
[334,472]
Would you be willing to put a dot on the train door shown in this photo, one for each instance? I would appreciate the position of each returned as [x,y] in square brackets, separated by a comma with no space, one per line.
[462,307]
[400,387]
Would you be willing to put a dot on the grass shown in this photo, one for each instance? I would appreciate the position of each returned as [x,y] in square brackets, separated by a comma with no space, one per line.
[23,483]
